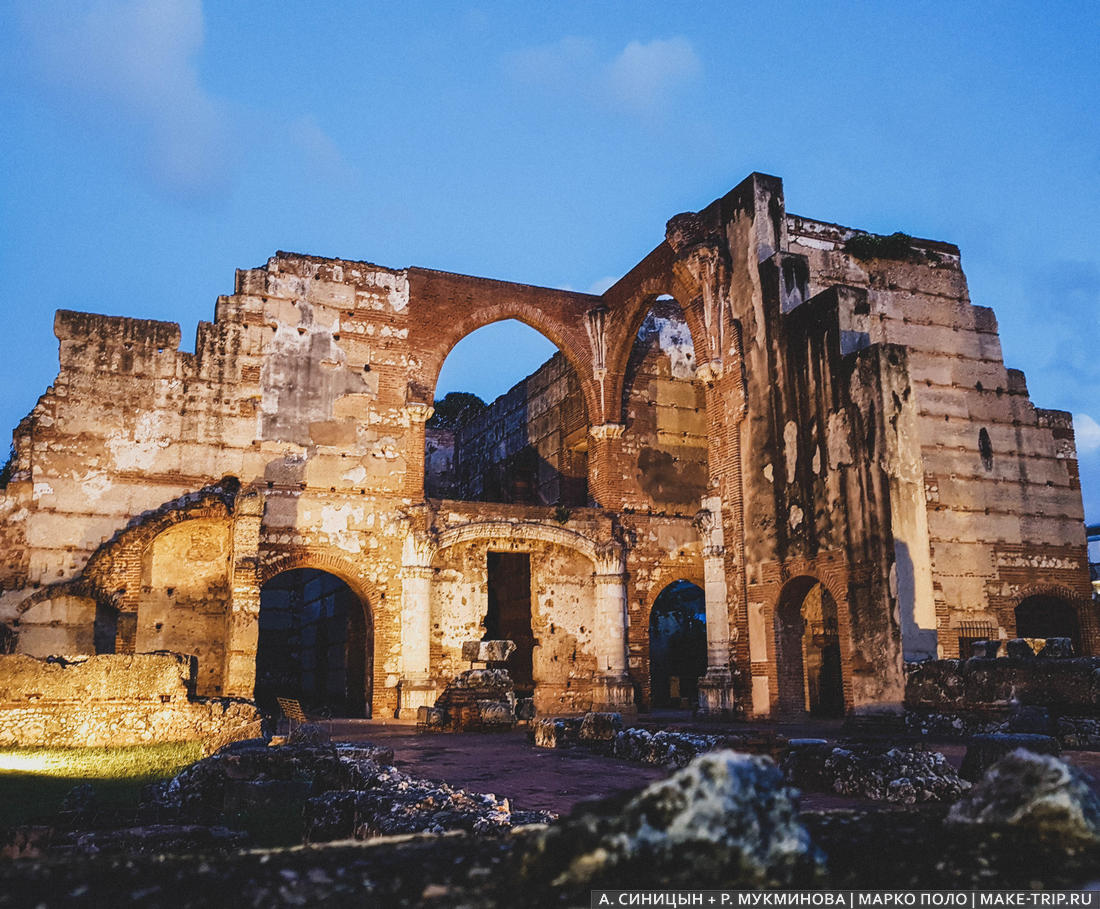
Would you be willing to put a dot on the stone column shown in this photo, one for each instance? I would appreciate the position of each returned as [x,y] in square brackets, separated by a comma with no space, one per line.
[416,415]
[613,689]
[416,688]
[243,632]
[716,695]
[605,464]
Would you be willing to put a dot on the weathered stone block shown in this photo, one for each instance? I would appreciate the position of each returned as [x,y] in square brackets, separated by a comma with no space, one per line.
[599,728]
[487,651]
[1057,648]
[1036,791]
[557,732]
[1019,648]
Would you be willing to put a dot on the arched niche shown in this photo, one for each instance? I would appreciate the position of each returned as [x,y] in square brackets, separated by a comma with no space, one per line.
[185,595]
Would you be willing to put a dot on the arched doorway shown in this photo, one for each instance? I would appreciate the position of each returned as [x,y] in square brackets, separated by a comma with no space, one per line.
[677,645]
[315,644]
[808,650]
[1047,616]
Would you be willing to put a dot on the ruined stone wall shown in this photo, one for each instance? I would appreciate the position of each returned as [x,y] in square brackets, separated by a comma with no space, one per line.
[855,420]
[528,445]
[664,444]
[109,700]
[999,515]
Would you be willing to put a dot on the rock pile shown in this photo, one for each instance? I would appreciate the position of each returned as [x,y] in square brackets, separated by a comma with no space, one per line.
[1037,792]
[399,804]
[901,775]
[726,816]
[477,700]
[346,792]
[603,733]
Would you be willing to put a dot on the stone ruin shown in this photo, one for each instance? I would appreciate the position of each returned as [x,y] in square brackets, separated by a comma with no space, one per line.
[809,425]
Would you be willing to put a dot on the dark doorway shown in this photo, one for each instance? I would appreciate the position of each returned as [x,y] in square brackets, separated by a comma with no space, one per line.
[808,663]
[677,645]
[1043,616]
[105,629]
[508,617]
[314,644]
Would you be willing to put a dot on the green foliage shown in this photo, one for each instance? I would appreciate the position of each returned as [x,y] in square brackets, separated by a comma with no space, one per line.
[455,409]
[874,246]
[562,514]
[8,469]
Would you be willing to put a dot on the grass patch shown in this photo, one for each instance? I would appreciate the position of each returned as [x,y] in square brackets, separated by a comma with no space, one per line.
[34,781]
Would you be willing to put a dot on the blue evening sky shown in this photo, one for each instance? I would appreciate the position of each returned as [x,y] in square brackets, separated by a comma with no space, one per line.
[150,147]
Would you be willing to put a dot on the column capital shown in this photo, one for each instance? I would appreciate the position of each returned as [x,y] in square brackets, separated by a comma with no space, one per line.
[606,430]
[418,411]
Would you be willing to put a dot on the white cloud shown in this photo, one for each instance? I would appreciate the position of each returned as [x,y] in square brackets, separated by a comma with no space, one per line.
[132,62]
[1087,433]
[321,154]
[644,79]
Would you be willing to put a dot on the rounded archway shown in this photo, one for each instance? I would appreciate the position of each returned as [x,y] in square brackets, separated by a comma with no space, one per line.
[1048,616]
[315,644]
[677,645]
[807,643]
[510,422]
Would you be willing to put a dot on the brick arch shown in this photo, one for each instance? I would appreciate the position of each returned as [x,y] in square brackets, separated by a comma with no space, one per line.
[629,300]
[665,577]
[1088,621]
[77,587]
[792,591]
[568,337]
[1045,590]
[335,564]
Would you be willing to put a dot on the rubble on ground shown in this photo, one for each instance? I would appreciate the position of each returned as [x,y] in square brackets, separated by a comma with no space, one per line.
[904,775]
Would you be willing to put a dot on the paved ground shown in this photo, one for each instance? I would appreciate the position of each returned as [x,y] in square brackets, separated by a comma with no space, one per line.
[509,766]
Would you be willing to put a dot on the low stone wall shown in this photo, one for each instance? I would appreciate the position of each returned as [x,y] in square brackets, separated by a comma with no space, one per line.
[109,699]
[998,686]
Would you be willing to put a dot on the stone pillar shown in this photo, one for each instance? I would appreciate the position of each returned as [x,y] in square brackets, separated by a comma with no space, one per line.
[716,695]
[613,689]
[416,688]
[416,414]
[604,464]
[243,632]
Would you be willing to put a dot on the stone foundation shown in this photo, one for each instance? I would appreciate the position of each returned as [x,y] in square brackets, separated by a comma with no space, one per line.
[111,699]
